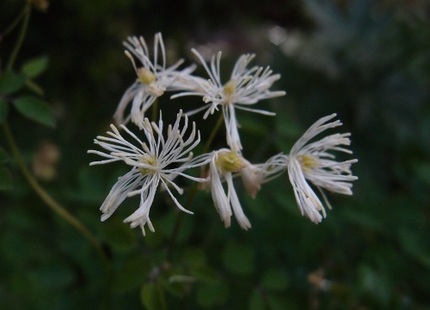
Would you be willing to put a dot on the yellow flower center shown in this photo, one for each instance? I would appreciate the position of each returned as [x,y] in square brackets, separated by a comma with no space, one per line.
[148,160]
[229,90]
[307,162]
[230,162]
[145,76]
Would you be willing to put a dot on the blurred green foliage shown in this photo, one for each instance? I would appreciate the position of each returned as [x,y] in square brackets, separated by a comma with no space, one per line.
[368,61]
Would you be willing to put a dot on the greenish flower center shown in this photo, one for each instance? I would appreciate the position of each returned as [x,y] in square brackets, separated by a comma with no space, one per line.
[145,76]
[308,162]
[230,162]
[229,90]
[148,160]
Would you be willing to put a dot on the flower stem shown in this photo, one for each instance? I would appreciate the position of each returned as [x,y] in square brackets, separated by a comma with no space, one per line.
[213,133]
[192,194]
[14,23]
[26,17]
[50,202]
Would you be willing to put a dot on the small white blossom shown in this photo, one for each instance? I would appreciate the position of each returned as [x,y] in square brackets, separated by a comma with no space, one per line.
[159,160]
[223,165]
[245,87]
[153,79]
[314,162]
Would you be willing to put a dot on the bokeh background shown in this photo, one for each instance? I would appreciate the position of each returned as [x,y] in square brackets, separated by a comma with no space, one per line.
[368,61]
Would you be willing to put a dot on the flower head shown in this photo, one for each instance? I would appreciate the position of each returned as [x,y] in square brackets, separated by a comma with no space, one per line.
[223,165]
[159,160]
[245,87]
[153,79]
[314,162]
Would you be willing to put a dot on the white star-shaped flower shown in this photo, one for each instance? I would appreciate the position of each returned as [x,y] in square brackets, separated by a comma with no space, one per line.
[245,88]
[159,160]
[153,78]
[315,162]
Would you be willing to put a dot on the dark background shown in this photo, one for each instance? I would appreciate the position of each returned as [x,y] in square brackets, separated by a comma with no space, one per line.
[368,61]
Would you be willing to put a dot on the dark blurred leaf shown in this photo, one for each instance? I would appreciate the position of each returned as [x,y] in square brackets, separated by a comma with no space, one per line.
[35,66]
[422,170]
[3,110]
[212,294]
[53,276]
[416,245]
[239,258]
[374,285]
[4,156]
[194,256]
[5,179]
[11,82]
[203,273]
[256,302]
[274,279]
[133,274]
[152,296]
[35,109]
[119,235]
[278,302]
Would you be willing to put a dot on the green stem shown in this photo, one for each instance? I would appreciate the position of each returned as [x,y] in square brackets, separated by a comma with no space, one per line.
[14,23]
[50,202]
[154,111]
[21,36]
[213,133]
[193,192]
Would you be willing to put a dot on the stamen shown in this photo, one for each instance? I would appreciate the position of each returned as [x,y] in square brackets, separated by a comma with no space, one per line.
[230,161]
[308,162]
[229,90]
[145,76]
[148,160]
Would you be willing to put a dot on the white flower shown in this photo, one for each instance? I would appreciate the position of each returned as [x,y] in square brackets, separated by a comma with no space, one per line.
[151,164]
[245,87]
[224,163]
[153,79]
[314,162]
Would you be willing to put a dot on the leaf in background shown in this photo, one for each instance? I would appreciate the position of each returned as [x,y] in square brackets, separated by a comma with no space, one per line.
[239,258]
[4,156]
[274,279]
[256,301]
[5,179]
[415,244]
[10,82]
[3,110]
[212,294]
[152,297]
[35,109]
[35,66]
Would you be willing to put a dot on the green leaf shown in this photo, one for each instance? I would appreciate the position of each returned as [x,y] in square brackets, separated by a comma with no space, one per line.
[35,66]
[152,296]
[35,109]
[11,82]
[3,110]
[256,302]
[132,274]
[5,179]
[212,294]
[4,156]
[274,280]
[239,258]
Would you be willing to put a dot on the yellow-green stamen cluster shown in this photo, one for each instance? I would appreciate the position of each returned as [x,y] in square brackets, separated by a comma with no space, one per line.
[230,161]
[307,162]
[229,90]
[148,160]
[145,76]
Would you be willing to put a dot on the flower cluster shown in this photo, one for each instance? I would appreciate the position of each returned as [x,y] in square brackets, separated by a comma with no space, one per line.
[164,155]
